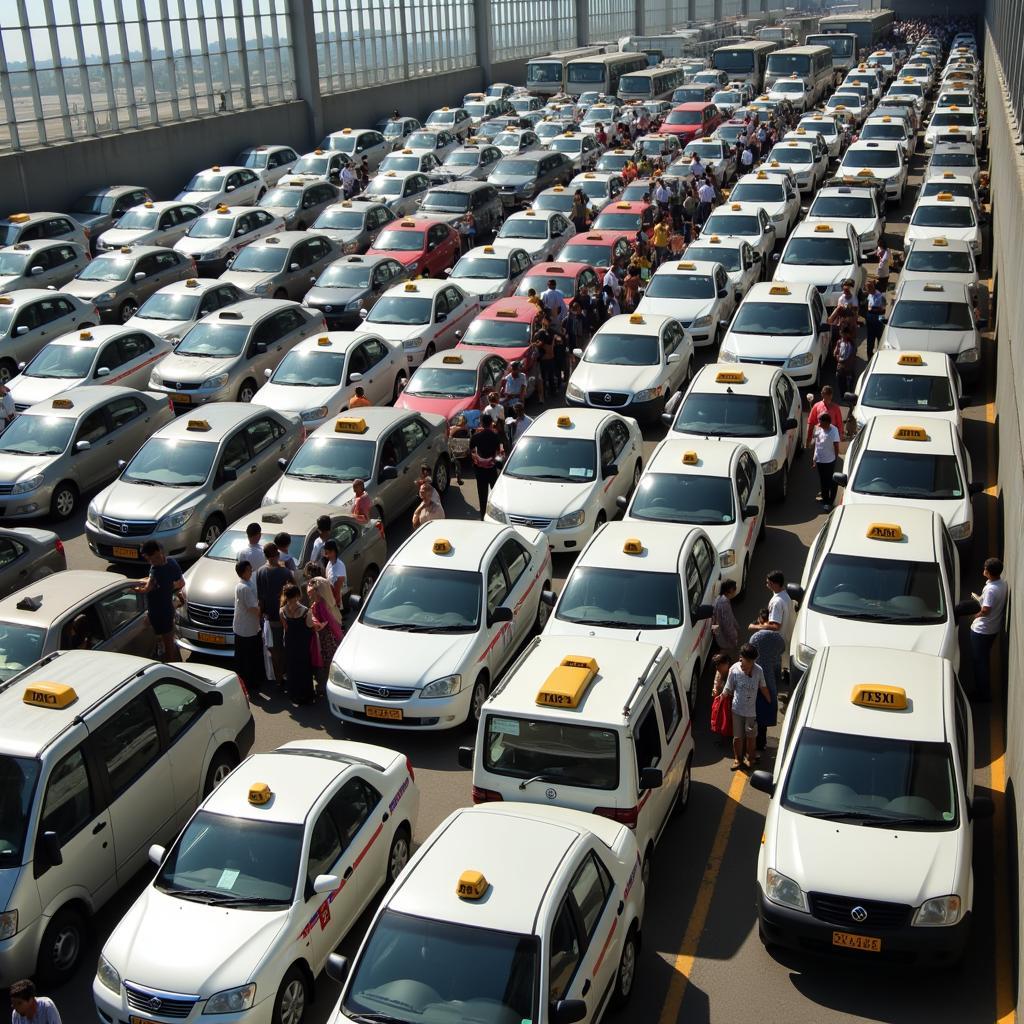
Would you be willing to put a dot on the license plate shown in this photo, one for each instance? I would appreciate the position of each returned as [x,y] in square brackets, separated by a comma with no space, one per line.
[388,714]
[126,552]
[142,1020]
[212,638]
[182,399]
[850,941]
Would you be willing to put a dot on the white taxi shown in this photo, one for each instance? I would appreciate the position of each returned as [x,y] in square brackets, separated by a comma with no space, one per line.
[793,90]
[743,266]
[449,610]
[559,942]
[438,141]
[780,325]
[817,142]
[823,253]
[717,485]
[150,223]
[886,161]
[950,181]
[827,126]
[959,123]
[848,105]
[901,460]
[875,766]
[457,120]
[600,187]
[400,191]
[713,152]
[697,294]
[175,308]
[945,215]
[886,127]
[214,240]
[264,881]
[423,316]
[941,259]
[542,233]
[924,384]
[748,221]
[758,405]
[581,148]
[882,575]
[491,273]
[215,185]
[858,207]
[776,194]
[633,363]
[802,159]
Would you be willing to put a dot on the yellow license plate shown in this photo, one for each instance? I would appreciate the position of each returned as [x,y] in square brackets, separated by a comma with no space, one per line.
[850,941]
[182,399]
[388,714]
[126,552]
[142,1020]
[213,638]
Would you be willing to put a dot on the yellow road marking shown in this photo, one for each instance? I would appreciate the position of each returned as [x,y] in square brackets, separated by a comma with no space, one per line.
[682,965]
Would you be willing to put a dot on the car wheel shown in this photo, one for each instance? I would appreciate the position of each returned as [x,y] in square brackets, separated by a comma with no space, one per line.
[600,520]
[212,529]
[442,475]
[64,500]
[400,382]
[782,485]
[431,350]
[743,578]
[61,948]
[476,700]
[637,473]
[280,294]
[398,855]
[221,766]
[683,792]
[292,998]
[543,611]
[626,974]
[128,309]
[8,369]
[247,391]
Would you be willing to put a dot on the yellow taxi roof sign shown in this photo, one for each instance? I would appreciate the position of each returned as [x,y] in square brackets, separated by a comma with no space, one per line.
[18,218]
[6,300]
[410,287]
[566,685]
[50,695]
[259,794]
[945,197]
[441,546]
[198,425]
[823,227]
[633,546]
[488,248]
[505,313]
[323,341]
[761,175]
[879,697]
[63,403]
[735,206]
[686,266]
[730,377]
[350,425]
[636,318]
[910,359]
[866,173]
[453,358]
[564,422]
[779,289]
[622,206]
[471,885]
[714,238]
[940,242]
[558,188]
[885,531]
[690,459]
[910,434]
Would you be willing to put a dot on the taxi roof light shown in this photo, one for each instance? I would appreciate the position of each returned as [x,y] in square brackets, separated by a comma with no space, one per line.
[690,459]
[50,695]
[471,885]
[910,434]
[350,425]
[778,289]
[453,358]
[633,546]
[910,359]
[885,531]
[686,266]
[636,318]
[63,403]
[730,377]
[441,546]
[200,426]
[879,696]
[827,228]
[564,422]
[260,794]
[567,684]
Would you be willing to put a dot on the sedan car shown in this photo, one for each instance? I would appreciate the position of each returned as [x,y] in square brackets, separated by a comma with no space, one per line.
[322,165]
[515,140]
[519,178]
[31,317]
[28,555]
[474,160]
[450,383]
[399,191]
[237,185]
[44,263]
[170,312]
[542,233]
[353,223]
[282,266]
[150,223]
[27,227]
[214,240]
[491,272]
[101,208]
[423,246]
[359,144]
[440,142]
[599,249]
[298,202]
[273,162]
[349,287]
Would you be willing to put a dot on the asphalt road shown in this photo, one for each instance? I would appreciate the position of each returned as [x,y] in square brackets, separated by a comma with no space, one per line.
[702,960]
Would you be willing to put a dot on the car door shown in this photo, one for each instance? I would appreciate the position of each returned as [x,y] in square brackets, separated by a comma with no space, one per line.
[678,372]
[266,346]
[523,593]
[136,354]
[783,389]
[233,479]
[822,331]
[378,382]
[122,615]
[419,450]
[92,453]
[131,422]
[266,437]
[498,637]
[453,317]
[616,434]
[394,496]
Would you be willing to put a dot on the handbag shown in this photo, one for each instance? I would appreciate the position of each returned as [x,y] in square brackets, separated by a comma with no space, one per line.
[721,715]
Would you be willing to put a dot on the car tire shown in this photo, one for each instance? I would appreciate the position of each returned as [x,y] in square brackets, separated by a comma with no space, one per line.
[293,997]
[442,475]
[638,471]
[60,950]
[212,529]
[8,370]
[128,309]
[625,974]
[430,350]
[543,612]
[600,520]
[247,391]
[400,381]
[64,501]
[685,783]
[398,855]
[280,294]
[223,763]
[479,693]
[367,582]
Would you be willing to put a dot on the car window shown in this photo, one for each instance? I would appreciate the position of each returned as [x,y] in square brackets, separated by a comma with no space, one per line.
[324,848]
[565,953]
[10,551]
[668,701]
[343,534]
[413,434]
[497,586]
[706,558]
[375,351]
[590,889]
[68,803]
[236,452]
[128,743]
[516,559]
[133,346]
[262,434]
[179,706]
[694,584]
[454,298]
[120,608]
[352,806]
[93,427]
[620,436]
[647,739]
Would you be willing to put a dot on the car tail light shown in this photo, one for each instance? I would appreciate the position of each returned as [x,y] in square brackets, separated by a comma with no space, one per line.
[245,689]
[59,547]
[623,815]
[485,796]
[409,769]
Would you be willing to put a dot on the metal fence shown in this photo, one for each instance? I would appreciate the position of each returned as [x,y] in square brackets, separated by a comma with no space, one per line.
[1005,21]
[517,31]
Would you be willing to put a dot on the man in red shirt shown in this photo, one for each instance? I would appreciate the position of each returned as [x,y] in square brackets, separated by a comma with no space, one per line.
[825,405]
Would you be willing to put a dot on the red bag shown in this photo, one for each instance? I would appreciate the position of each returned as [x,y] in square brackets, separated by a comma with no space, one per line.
[721,715]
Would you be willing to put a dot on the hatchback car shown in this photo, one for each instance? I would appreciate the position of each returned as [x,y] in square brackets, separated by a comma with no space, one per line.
[282,266]
[27,227]
[474,160]
[422,245]
[454,201]
[321,165]
[519,178]
[273,162]
[490,272]
[40,264]
[440,142]
[170,312]
[400,191]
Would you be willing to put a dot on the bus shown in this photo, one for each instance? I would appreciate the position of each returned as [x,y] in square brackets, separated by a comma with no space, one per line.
[652,84]
[545,76]
[811,63]
[744,62]
[602,72]
[870,27]
[801,26]
[781,35]
[843,46]
[673,45]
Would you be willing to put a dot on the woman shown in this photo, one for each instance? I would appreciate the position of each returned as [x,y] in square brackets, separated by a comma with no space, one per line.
[299,627]
[724,627]
[326,619]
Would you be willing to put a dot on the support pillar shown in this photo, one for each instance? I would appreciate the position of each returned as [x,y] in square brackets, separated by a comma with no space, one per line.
[482,21]
[307,72]
[640,23]
[582,22]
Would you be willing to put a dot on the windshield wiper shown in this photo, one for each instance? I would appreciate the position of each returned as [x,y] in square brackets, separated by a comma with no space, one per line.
[841,815]
[438,629]
[879,821]
[197,895]
[315,476]
[382,1018]
[141,482]
[256,901]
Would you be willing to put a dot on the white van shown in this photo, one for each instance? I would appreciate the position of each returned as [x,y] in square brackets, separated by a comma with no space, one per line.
[599,726]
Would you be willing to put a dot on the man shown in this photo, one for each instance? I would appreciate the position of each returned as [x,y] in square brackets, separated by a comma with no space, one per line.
[660,238]
[323,534]
[747,159]
[247,629]
[361,504]
[8,411]
[270,580]
[770,648]
[164,582]
[781,616]
[484,448]
[517,425]
[553,299]
[496,411]
[253,551]
[334,570]
[697,168]
[827,404]
[514,385]
[429,508]
[873,315]
[987,625]
[825,457]
[27,1007]
[662,195]
[611,280]
[705,201]
[359,400]
[744,682]
[884,257]
[283,541]
[348,181]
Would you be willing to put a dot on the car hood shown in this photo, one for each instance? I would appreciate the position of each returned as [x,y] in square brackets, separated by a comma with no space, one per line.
[827,276]
[90,289]
[23,467]
[448,408]
[534,246]
[497,178]
[480,286]
[906,339]
[969,234]
[343,235]
[162,328]
[203,199]
[212,581]
[676,640]
[288,398]
[192,368]
[29,390]
[918,864]
[546,499]
[321,492]
[123,500]
[224,946]
[603,377]
[12,282]
[398,332]
[816,630]
[117,237]
[329,297]
[414,659]
[761,346]
[445,216]
[686,310]
[198,246]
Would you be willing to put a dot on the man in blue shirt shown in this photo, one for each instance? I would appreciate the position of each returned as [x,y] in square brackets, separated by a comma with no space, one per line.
[28,1008]
[165,580]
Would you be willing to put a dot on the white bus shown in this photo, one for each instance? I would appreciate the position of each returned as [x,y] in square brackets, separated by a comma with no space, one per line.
[652,84]
[870,27]
[545,76]
[812,64]
[602,72]
[843,46]
[744,62]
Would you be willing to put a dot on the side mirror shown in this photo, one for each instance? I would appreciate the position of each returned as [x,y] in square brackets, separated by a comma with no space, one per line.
[790,424]
[565,1011]
[578,353]
[363,314]
[239,232]
[465,757]
[795,591]
[103,371]
[260,348]
[749,511]
[723,292]
[968,607]
[337,968]
[703,611]
[138,276]
[839,479]
[622,502]
[230,188]
[458,334]
[608,470]
[325,883]
[981,807]
[850,397]
[121,463]
[35,270]
[282,464]
[156,854]
[651,778]
[387,473]
[549,597]
[229,476]
[22,364]
[975,487]
[201,546]
[82,446]
[762,781]
[355,377]
[268,373]
[23,329]
[672,357]
[500,614]
[293,267]
[48,853]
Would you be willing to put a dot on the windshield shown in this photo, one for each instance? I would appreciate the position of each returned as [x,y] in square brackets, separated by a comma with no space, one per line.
[400,162]
[491,268]
[843,207]
[206,182]
[170,462]
[944,118]
[872,780]
[318,165]
[573,145]
[928,216]
[507,139]
[683,498]
[107,268]
[446,202]
[310,369]
[879,590]
[20,646]
[424,970]
[780,64]
[732,224]
[139,219]
[583,252]
[727,97]
[689,95]
[442,117]
[400,310]
[524,227]
[330,458]
[894,132]
[608,162]
[564,459]
[908,475]
[339,143]
[788,87]
[705,150]
[939,261]
[415,599]
[751,192]
[871,158]
[899,392]
[345,275]
[539,282]
[215,340]
[286,197]
[595,115]
[340,219]
[169,306]
[464,158]
[729,258]
[18,777]
[621,599]
[262,259]
[681,286]
[14,263]
[213,225]
[932,316]
[560,201]
[953,160]
[964,189]
[37,435]
[229,861]
[516,168]
[611,349]
[442,382]
[840,45]
[736,416]
[400,241]
[818,251]
[422,140]
[796,155]
[499,333]
[789,319]
[62,362]
[685,117]
[544,71]
[595,188]
[227,546]
[826,127]
[384,186]
[611,221]
[733,61]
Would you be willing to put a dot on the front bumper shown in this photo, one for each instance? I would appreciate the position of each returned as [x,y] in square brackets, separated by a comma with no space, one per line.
[114,1009]
[179,544]
[28,504]
[645,412]
[793,929]
[565,541]
[430,714]
[199,641]
[339,318]
[18,954]
[183,400]
[211,268]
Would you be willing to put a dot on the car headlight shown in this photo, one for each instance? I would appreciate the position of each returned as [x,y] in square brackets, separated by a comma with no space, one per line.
[727,356]
[938,912]
[412,343]
[23,486]
[703,321]
[805,360]
[836,287]
[969,355]
[261,289]
[176,520]
[567,522]
[353,305]
[104,297]
[961,532]
[446,686]
[314,414]
[497,514]
[92,516]
[784,891]
[413,265]
[778,218]
[574,391]
[232,1000]
[771,466]
[339,678]
[727,558]
[213,254]
[107,974]
[155,380]
[217,382]
[648,394]
[8,924]
[805,655]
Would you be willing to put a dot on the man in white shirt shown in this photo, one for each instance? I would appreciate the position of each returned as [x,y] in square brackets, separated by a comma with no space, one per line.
[554,301]
[247,628]
[514,384]
[705,200]
[334,570]
[987,625]
[7,408]
[518,424]
[781,614]
[496,411]
[825,439]
[611,280]
[253,551]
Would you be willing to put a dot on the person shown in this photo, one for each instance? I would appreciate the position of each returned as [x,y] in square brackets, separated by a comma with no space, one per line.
[827,404]
[534,298]
[8,410]
[514,385]
[744,682]
[662,195]
[247,629]
[611,281]
[270,580]
[884,257]
[361,504]
[327,619]
[846,305]
[518,424]
[164,583]
[484,448]
[845,355]
[428,509]
[770,647]
[747,159]
[27,1007]
[548,365]
[81,638]
[323,534]
[660,237]
[781,615]
[467,231]
[223,104]
[825,458]
[873,315]
[283,541]
[696,166]
[348,181]
[334,570]
[458,444]
[631,286]
[553,299]
[496,411]
[705,201]
[689,213]
[297,629]
[253,550]
[578,214]
[359,399]
[724,627]
[987,625]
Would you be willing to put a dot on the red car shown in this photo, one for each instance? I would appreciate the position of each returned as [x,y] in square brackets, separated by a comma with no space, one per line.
[506,327]
[453,382]
[572,279]
[691,121]
[599,248]
[424,247]
[631,216]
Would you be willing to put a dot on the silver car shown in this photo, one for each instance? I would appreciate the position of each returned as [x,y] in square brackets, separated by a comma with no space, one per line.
[353,223]
[284,266]
[222,358]
[31,318]
[274,162]
[150,224]
[351,285]
[359,144]
[190,479]
[28,555]
[171,311]
[99,210]
[45,263]
[400,191]
[299,201]
[215,239]
[117,283]
[474,160]
[204,623]
[26,227]
[58,449]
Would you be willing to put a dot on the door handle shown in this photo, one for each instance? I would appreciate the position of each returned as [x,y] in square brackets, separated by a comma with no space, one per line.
[252,469]
[386,816]
[348,872]
[586,987]
[99,827]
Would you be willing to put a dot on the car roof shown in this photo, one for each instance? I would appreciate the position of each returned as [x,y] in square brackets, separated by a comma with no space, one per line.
[28,217]
[641,324]
[937,200]
[468,358]
[76,402]
[222,417]
[693,104]
[56,593]
[22,296]
[223,168]
[781,291]
[249,311]
[522,309]
[586,421]
[757,379]
[295,517]
[285,239]
[715,456]
[627,206]
[932,364]
[378,419]
[135,251]
[468,544]
[933,291]
[818,227]
[918,525]
[663,546]
[197,285]
[92,337]
[725,241]
[335,341]
[937,242]
[412,223]
[34,244]
[903,433]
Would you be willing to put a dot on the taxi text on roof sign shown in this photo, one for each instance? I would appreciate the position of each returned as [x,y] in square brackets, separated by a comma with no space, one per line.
[471,885]
[259,794]
[633,546]
[442,546]
[910,359]
[884,531]
[887,698]
[50,695]
[199,425]
[566,685]
[910,434]
[730,377]
[350,425]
